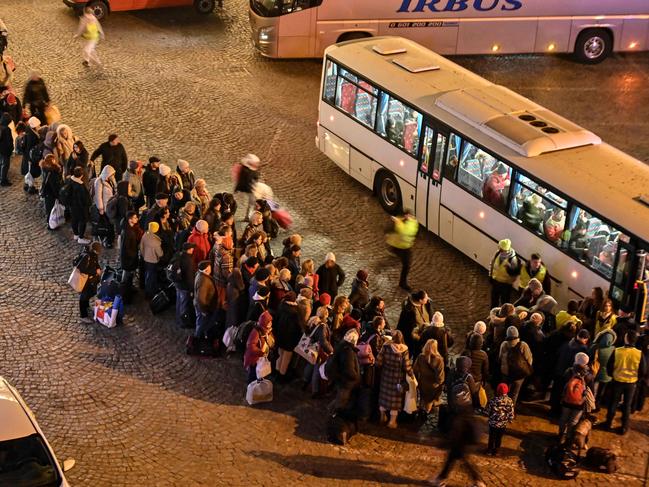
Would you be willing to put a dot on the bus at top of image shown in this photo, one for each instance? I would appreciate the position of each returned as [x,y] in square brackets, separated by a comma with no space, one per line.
[589,29]
[477,163]
[101,8]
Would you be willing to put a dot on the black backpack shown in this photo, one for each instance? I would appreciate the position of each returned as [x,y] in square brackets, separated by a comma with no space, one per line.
[173,270]
[562,462]
[460,393]
[65,193]
[243,332]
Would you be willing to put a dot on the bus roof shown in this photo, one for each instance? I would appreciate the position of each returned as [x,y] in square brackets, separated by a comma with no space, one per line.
[539,141]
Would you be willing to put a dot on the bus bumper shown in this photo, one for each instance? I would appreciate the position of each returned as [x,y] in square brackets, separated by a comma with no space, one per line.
[264,34]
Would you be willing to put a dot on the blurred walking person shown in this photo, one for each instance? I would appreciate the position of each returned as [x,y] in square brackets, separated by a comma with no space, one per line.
[90,31]
[401,240]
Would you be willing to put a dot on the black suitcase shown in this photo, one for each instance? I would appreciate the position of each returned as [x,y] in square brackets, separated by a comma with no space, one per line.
[160,302]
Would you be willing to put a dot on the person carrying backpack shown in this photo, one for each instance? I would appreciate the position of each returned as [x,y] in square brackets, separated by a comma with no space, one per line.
[574,395]
[515,359]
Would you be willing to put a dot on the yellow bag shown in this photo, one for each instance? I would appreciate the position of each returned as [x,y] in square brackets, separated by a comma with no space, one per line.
[52,114]
[482,397]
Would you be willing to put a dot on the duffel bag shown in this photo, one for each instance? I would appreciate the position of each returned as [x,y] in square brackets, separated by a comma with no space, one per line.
[159,303]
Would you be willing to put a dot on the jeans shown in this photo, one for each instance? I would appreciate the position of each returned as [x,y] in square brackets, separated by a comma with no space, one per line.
[182,304]
[204,323]
[501,293]
[569,418]
[150,279]
[5,161]
[515,389]
[621,389]
[495,438]
[405,256]
[312,375]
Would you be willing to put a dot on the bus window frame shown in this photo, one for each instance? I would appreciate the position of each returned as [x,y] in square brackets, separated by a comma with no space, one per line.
[439,125]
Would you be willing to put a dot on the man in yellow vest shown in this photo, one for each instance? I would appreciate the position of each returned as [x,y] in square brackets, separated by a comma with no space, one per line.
[90,31]
[401,241]
[625,365]
[505,268]
[535,268]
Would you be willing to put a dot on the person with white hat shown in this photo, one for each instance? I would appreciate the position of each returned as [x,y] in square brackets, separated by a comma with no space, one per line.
[246,178]
[330,275]
[505,268]
[32,139]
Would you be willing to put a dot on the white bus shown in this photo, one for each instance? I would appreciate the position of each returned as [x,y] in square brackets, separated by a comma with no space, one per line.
[590,29]
[477,162]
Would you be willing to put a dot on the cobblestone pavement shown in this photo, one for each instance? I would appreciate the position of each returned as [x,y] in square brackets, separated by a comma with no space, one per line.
[127,403]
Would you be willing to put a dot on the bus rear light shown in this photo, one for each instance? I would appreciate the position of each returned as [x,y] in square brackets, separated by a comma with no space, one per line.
[495,48]
[552,47]
[574,274]
[633,45]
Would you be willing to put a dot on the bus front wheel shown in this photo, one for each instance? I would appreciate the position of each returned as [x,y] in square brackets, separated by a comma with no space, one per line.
[389,193]
[99,9]
[205,7]
[593,46]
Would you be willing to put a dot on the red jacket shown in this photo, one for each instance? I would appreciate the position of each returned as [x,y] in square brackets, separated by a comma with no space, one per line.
[202,242]
[255,348]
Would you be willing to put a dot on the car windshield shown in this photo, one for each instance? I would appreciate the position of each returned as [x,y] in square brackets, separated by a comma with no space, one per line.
[273,8]
[26,462]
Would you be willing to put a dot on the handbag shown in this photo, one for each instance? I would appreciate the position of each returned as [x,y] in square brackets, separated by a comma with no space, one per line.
[259,391]
[482,397]
[410,403]
[263,368]
[306,348]
[29,179]
[57,215]
[77,280]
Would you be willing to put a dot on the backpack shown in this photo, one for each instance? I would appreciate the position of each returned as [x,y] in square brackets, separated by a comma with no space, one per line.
[111,207]
[35,156]
[460,394]
[241,340]
[573,393]
[20,144]
[173,270]
[365,354]
[517,366]
[65,193]
[562,462]
[601,459]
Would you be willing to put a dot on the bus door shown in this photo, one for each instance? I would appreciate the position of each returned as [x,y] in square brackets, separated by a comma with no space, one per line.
[429,177]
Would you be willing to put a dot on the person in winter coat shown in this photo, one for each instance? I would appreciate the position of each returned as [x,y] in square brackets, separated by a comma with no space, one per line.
[505,267]
[600,353]
[112,154]
[213,215]
[304,307]
[360,295]
[515,378]
[6,148]
[500,411]
[479,328]
[123,205]
[223,267]
[52,182]
[348,376]
[236,298]
[255,226]
[479,359]
[32,139]
[287,332]
[150,179]
[429,372]
[36,98]
[330,275]
[319,331]
[204,301]
[129,248]
[531,294]
[89,265]
[606,317]
[201,196]
[79,157]
[258,303]
[200,238]
[394,362]
[462,374]
[571,412]
[164,181]
[260,341]
[279,287]
[104,189]
[589,308]
[416,312]
[134,177]
[565,359]
[79,205]
[151,251]
[185,175]
[247,178]
[438,331]
[185,286]
[64,145]
[90,31]
[261,278]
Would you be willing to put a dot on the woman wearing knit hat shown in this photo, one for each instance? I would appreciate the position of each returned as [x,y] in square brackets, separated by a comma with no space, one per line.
[436,330]
[577,379]
[330,275]
[151,251]
[260,342]
[185,175]
[199,237]
[515,359]
[500,411]
[200,195]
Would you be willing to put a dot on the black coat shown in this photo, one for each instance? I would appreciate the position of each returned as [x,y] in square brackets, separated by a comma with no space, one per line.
[348,371]
[443,337]
[330,279]
[128,251]
[247,180]
[36,94]
[89,265]
[150,179]
[6,140]
[408,320]
[52,182]
[113,155]
[79,204]
[187,271]
[286,326]
[31,140]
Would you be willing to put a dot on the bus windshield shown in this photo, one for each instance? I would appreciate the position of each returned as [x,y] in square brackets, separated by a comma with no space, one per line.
[274,8]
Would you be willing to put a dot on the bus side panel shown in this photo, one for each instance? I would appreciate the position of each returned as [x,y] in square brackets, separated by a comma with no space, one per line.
[297,34]
[328,32]
[635,34]
[553,32]
[496,36]
[360,167]
[441,39]
[334,148]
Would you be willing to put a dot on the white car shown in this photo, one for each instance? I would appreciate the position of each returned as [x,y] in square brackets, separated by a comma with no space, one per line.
[26,458]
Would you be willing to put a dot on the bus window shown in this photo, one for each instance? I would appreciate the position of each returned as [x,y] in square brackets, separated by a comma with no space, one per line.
[439,156]
[538,209]
[330,82]
[426,150]
[484,175]
[399,123]
[452,156]
[358,102]
[621,276]
[592,241]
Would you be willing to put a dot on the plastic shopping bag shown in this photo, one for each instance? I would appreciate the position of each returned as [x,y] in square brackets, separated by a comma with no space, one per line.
[57,215]
[263,368]
[410,403]
[259,391]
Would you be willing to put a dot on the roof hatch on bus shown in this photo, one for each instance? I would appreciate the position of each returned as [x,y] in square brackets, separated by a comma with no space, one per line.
[415,65]
[515,121]
[389,47]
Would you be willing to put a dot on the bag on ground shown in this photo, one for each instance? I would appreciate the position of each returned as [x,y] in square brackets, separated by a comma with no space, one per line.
[160,302]
[601,459]
[57,215]
[259,391]
[107,312]
[562,462]
[263,368]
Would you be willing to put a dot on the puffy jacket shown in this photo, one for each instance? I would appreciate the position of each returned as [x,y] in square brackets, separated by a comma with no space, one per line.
[205,293]
[104,188]
[202,242]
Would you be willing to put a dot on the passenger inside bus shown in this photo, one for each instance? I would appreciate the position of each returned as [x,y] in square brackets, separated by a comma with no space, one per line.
[484,175]
[494,187]
[555,224]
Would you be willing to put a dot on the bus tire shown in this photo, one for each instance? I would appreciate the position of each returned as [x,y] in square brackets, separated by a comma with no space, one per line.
[205,7]
[99,9]
[593,46]
[389,192]
[351,36]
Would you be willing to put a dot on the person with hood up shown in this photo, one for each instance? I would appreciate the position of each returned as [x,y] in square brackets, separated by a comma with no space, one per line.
[112,154]
[347,377]
[571,412]
[360,295]
[258,304]
[90,31]
[52,182]
[185,175]
[505,267]
[436,330]
[394,362]
[134,175]
[79,158]
[104,190]
[479,359]
[79,205]
[259,344]
[330,275]
[279,287]
[6,148]
[287,332]
[151,251]
[204,303]
[319,331]
[36,98]
[246,179]
[429,369]
[236,298]
[199,237]
[515,376]
[600,353]
[64,145]
[500,411]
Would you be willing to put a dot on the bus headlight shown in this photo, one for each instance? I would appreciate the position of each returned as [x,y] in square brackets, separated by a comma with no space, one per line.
[264,33]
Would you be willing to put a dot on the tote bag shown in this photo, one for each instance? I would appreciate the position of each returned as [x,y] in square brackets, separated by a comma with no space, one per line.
[306,349]
[77,280]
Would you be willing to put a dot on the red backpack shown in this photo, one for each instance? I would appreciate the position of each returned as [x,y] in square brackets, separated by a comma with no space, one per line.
[365,354]
[573,394]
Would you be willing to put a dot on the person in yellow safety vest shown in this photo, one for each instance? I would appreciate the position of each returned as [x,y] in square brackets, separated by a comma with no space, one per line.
[90,31]
[625,365]
[535,268]
[401,241]
[564,316]
[505,268]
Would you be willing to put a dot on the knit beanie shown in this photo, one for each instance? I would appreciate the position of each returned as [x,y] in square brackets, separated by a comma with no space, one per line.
[330,256]
[164,170]
[362,275]
[480,327]
[512,332]
[265,320]
[581,359]
[154,227]
[502,389]
[438,319]
[202,226]
[183,165]
[325,299]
